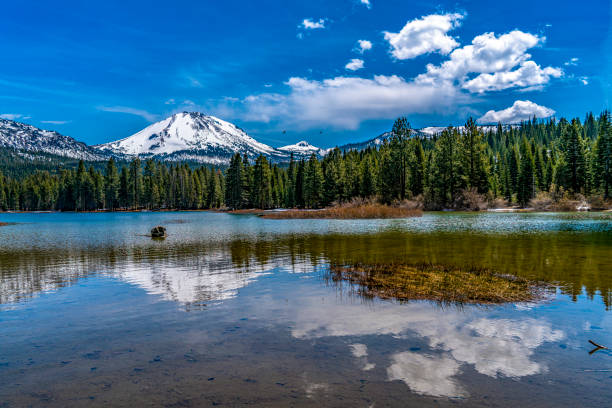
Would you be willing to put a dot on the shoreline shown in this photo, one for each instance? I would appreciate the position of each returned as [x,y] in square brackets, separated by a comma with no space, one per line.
[265,213]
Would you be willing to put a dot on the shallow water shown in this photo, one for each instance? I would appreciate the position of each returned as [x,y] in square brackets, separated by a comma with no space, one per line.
[234,309]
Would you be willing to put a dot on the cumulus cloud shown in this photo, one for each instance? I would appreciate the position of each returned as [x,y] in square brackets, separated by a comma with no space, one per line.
[363,46]
[426,374]
[518,112]
[498,62]
[366,3]
[344,102]
[529,76]
[150,117]
[354,64]
[309,24]
[424,35]
[491,63]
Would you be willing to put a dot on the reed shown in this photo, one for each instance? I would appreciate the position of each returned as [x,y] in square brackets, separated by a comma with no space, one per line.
[355,209]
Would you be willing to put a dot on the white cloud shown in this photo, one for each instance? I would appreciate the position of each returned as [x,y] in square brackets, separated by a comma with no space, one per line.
[490,63]
[366,3]
[363,46]
[360,351]
[130,111]
[55,122]
[518,112]
[426,374]
[584,80]
[11,116]
[493,59]
[170,101]
[424,35]
[345,102]
[312,25]
[529,75]
[572,61]
[354,64]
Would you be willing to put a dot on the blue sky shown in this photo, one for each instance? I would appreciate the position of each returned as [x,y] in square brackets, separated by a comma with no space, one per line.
[287,71]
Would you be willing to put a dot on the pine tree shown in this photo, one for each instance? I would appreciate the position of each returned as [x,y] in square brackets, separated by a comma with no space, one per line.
[474,170]
[313,183]
[262,183]
[291,183]
[444,180]
[234,183]
[299,184]
[135,184]
[602,157]
[124,188]
[368,178]
[417,168]
[111,183]
[526,182]
[571,169]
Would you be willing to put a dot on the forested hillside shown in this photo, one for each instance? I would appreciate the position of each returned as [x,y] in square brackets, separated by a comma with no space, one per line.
[534,162]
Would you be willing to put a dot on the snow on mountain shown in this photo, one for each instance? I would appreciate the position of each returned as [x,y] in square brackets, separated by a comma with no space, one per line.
[190,136]
[436,130]
[186,136]
[23,137]
[302,148]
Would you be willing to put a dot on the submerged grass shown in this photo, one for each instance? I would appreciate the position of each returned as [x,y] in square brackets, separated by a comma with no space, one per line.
[436,282]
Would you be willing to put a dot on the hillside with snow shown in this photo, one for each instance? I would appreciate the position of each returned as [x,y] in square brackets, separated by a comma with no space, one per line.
[182,137]
[193,136]
[302,149]
[26,138]
[190,136]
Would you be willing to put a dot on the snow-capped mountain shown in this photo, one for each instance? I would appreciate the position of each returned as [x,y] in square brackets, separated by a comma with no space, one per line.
[187,136]
[190,136]
[302,149]
[436,130]
[27,138]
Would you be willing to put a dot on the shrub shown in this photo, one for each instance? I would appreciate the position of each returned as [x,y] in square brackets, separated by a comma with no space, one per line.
[470,200]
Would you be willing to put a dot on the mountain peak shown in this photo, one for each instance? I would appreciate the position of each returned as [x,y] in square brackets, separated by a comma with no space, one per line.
[301,148]
[189,136]
[24,137]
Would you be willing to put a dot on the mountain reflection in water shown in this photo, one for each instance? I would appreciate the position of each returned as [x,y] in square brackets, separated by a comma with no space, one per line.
[202,271]
[262,319]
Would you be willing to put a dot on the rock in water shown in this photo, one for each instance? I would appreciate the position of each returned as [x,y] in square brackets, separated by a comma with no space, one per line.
[158,232]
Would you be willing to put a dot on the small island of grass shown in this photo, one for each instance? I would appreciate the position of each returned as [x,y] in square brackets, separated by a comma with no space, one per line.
[436,282]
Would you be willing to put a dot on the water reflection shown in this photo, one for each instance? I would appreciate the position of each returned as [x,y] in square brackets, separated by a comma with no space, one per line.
[304,338]
[426,374]
[202,271]
[495,347]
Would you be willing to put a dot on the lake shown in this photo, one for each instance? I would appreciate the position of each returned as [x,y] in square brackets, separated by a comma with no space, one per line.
[233,310]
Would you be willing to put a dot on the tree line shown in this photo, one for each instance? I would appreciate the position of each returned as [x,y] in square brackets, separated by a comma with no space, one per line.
[513,163]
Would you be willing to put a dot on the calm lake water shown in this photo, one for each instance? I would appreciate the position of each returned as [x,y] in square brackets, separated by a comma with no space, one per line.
[232,310]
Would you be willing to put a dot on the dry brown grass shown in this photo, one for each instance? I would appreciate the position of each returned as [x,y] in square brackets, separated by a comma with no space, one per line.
[435,282]
[364,211]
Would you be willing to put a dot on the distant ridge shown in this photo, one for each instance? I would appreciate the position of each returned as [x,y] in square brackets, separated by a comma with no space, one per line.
[182,137]
[27,138]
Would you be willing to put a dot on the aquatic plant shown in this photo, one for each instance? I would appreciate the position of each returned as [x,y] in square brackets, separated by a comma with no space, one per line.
[442,283]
